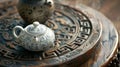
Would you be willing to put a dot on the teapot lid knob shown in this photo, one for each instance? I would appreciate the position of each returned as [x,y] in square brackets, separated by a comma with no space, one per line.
[36,23]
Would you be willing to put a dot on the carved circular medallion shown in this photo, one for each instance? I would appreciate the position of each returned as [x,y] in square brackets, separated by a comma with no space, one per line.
[75,33]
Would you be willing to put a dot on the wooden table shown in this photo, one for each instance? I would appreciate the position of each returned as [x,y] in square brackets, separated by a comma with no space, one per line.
[109,8]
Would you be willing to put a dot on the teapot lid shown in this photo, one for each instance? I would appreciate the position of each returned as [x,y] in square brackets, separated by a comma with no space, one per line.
[36,28]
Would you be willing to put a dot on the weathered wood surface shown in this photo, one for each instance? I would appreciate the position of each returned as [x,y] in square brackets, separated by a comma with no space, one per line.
[110,8]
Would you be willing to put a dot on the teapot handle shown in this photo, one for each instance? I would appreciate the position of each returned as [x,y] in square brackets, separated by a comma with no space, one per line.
[15,29]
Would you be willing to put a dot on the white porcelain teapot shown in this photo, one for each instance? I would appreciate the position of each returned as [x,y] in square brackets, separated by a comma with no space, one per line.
[35,37]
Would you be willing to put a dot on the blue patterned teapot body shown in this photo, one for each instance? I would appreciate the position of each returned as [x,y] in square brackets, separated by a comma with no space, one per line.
[35,37]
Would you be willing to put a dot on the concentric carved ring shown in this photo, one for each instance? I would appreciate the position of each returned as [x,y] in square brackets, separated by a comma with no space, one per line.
[73,30]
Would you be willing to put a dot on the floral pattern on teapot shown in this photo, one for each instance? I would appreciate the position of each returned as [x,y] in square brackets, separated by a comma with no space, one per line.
[35,37]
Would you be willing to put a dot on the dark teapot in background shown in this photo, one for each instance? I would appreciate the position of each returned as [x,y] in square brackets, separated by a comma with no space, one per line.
[35,10]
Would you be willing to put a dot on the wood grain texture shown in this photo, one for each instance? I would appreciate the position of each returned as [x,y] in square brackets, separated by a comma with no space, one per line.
[110,8]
